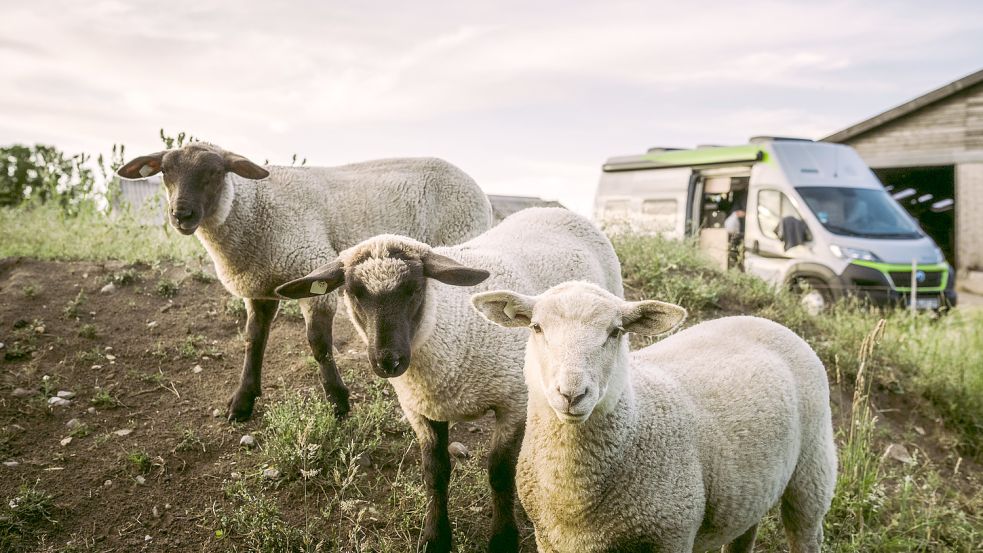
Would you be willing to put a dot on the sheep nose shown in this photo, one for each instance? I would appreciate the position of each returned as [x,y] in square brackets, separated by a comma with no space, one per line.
[181,214]
[390,362]
[573,397]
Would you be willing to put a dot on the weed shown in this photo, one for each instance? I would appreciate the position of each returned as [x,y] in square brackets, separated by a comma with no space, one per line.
[124,277]
[71,310]
[89,357]
[30,507]
[139,461]
[80,431]
[88,331]
[166,288]
[31,290]
[202,277]
[190,441]
[104,400]
[17,351]
[235,307]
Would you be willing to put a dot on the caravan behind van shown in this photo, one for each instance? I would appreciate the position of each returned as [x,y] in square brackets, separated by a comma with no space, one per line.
[805,215]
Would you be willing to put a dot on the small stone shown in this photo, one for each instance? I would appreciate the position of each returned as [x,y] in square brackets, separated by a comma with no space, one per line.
[10,464]
[166,308]
[271,473]
[216,413]
[91,410]
[152,324]
[364,460]
[108,348]
[108,289]
[123,432]
[920,430]
[155,512]
[73,424]
[899,453]
[58,402]
[147,538]
[196,369]
[2,345]
[66,441]
[235,475]
[24,392]
[167,506]
[110,357]
[474,429]
[141,480]
[459,450]
[205,358]
[107,483]
[247,441]
[66,394]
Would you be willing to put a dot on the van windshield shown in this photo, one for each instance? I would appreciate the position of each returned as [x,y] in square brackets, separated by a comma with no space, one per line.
[863,212]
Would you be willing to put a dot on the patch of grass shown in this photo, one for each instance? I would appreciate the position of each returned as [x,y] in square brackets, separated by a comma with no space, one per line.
[190,441]
[18,350]
[195,345]
[31,290]
[71,310]
[291,310]
[124,277]
[20,515]
[255,522]
[88,331]
[104,400]
[202,277]
[235,307]
[80,431]
[139,461]
[89,357]
[166,288]
[44,232]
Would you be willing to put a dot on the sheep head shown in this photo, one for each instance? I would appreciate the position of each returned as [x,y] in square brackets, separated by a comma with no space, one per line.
[384,280]
[577,344]
[194,177]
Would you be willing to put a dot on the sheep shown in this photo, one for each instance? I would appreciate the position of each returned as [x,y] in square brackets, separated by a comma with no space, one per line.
[407,302]
[261,234]
[681,446]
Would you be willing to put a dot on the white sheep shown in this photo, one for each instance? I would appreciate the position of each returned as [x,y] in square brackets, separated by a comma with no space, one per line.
[681,446]
[445,362]
[262,234]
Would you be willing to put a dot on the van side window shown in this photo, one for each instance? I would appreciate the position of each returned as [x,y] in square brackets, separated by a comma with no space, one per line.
[659,215]
[616,209]
[773,206]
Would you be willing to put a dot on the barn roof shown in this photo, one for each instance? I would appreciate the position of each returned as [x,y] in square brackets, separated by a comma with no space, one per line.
[907,107]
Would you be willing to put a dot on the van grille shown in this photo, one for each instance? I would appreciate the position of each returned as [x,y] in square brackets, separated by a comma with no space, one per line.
[902,279]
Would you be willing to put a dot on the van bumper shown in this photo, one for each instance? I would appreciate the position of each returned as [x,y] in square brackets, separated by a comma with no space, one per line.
[874,285]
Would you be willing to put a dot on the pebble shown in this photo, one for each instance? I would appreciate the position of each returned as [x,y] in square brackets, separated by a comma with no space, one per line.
[196,369]
[474,429]
[24,392]
[73,424]
[108,289]
[10,464]
[899,453]
[271,473]
[91,410]
[123,432]
[66,441]
[459,450]
[110,357]
[141,480]
[65,394]
[152,324]
[107,483]
[216,413]
[247,441]
[58,402]
[166,308]
[2,345]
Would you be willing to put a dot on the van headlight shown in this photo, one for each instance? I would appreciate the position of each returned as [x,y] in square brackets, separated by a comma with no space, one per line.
[852,253]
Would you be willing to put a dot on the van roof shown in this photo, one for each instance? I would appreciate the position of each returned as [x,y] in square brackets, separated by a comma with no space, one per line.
[746,154]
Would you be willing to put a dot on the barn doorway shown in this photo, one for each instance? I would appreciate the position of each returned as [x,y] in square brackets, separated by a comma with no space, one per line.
[928,193]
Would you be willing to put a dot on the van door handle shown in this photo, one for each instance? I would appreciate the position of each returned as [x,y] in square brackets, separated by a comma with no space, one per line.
[754,247]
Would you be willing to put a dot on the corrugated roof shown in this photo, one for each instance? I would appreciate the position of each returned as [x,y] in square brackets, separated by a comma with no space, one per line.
[906,108]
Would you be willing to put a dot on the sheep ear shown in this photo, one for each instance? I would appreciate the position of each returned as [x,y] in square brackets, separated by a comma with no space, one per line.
[651,317]
[448,271]
[505,308]
[142,167]
[322,281]
[244,168]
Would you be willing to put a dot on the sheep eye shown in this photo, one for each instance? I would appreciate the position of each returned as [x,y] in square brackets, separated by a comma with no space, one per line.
[536,328]
[616,333]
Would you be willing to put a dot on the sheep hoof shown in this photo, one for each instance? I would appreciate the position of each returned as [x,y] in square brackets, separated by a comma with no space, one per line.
[341,405]
[505,541]
[437,538]
[240,407]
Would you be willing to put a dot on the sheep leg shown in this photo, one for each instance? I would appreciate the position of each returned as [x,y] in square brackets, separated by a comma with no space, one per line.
[259,317]
[744,543]
[502,460]
[319,316]
[436,465]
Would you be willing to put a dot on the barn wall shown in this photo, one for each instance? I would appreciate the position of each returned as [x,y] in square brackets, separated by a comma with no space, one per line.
[969,216]
[938,134]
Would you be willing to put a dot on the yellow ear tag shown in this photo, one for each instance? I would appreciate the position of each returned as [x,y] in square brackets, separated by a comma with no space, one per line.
[145,171]
[319,287]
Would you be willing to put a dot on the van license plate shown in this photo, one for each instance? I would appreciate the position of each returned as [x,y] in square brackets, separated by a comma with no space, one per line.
[927,303]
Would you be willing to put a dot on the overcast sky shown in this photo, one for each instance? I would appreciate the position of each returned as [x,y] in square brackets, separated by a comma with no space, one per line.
[528,97]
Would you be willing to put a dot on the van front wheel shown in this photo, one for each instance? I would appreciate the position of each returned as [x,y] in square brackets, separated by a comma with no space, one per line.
[815,296]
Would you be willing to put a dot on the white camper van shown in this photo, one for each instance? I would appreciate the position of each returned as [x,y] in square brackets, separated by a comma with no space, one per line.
[810,216]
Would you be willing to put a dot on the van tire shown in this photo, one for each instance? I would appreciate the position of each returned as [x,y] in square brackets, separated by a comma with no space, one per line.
[814,294]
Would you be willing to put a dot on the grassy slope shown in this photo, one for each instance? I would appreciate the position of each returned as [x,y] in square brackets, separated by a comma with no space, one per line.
[325,502]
